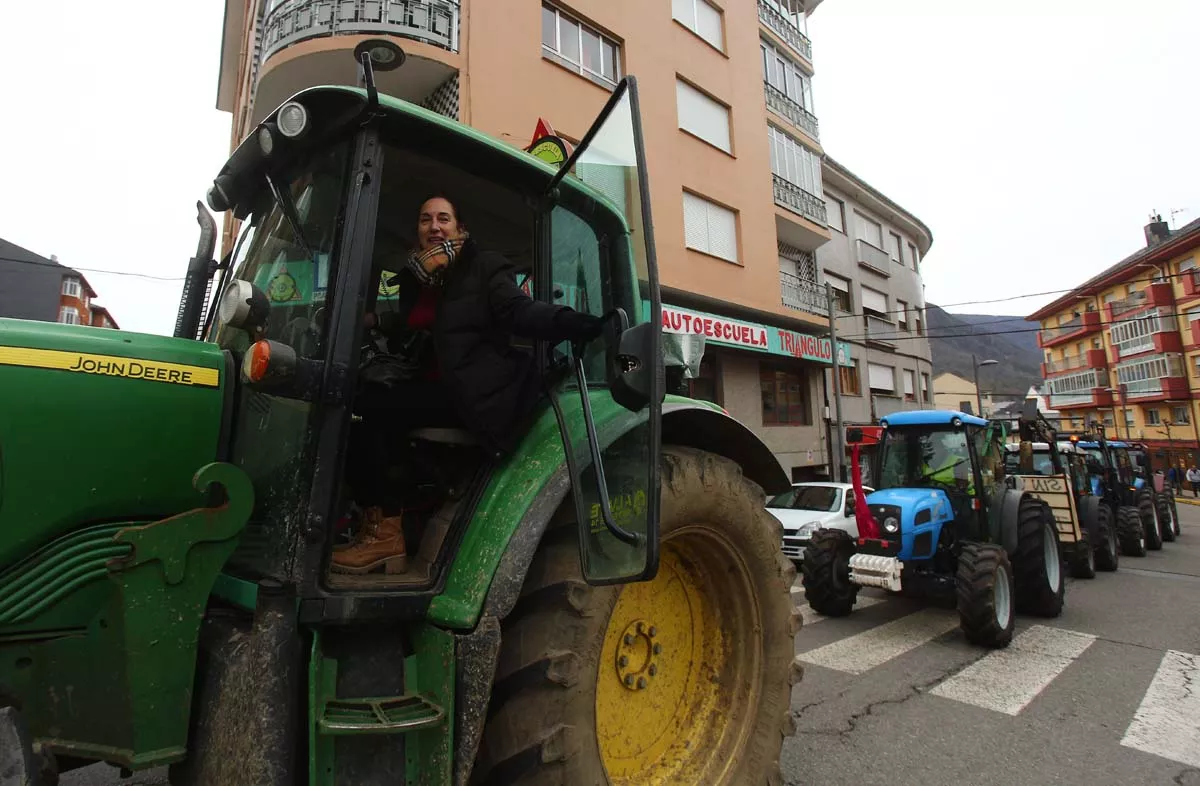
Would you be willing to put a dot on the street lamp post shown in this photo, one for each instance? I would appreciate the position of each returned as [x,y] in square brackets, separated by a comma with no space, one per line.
[978,395]
[1167,424]
[1120,391]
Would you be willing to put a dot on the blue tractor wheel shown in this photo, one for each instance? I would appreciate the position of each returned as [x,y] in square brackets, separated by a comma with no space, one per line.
[1166,522]
[1131,532]
[985,593]
[1041,585]
[1106,531]
[1150,523]
[826,573]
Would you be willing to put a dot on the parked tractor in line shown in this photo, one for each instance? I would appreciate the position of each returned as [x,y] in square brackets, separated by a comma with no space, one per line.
[1153,491]
[1127,497]
[944,524]
[1056,471]
[605,604]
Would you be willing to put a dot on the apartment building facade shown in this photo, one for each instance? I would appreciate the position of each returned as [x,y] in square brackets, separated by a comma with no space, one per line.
[1123,348]
[732,138]
[873,264]
[40,288]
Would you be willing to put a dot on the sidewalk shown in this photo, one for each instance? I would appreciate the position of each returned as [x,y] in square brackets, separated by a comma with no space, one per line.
[1188,500]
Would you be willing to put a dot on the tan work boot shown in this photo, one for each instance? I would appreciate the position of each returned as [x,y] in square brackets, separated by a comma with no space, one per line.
[380,543]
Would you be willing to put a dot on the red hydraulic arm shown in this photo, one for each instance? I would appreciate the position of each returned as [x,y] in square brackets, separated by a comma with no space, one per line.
[867,526]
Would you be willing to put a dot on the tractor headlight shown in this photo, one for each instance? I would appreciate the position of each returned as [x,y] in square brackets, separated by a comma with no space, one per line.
[292,119]
[243,306]
[891,525]
[266,141]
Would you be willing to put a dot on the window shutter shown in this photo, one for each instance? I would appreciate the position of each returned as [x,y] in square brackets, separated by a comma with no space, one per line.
[709,227]
[909,384]
[695,222]
[685,12]
[873,300]
[708,24]
[840,284]
[881,377]
[702,116]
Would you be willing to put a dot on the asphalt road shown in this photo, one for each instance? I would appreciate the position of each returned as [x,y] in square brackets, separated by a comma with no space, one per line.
[893,693]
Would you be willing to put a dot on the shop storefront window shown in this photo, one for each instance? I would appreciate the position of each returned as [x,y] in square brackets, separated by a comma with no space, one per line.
[705,386]
[784,398]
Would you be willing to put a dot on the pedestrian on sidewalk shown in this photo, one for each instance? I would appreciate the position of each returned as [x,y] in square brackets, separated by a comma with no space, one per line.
[1193,477]
[1173,478]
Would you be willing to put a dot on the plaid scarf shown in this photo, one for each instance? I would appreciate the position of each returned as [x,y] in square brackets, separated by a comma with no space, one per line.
[420,262]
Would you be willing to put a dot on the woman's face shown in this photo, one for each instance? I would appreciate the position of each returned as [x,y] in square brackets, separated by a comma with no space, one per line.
[437,223]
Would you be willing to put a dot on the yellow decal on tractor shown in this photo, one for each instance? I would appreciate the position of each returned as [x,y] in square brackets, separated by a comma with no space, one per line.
[111,365]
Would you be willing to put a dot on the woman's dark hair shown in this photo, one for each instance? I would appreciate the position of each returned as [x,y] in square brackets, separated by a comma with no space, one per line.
[454,205]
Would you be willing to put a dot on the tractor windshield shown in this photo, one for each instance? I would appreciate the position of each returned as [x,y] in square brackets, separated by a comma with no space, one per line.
[921,457]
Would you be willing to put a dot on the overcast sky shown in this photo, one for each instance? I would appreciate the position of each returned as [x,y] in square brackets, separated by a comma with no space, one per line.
[1034,141]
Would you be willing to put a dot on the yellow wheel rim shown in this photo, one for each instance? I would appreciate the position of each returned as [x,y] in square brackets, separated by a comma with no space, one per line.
[678,678]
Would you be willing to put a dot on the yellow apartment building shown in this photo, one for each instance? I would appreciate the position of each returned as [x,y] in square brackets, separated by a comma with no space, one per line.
[1123,348]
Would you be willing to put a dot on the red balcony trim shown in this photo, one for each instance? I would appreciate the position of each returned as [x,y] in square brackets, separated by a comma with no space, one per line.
[1090,324]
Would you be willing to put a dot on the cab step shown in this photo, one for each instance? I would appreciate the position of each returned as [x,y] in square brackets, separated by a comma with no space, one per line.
[392,715]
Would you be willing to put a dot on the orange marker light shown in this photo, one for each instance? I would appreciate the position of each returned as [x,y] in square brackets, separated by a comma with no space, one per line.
[257,361]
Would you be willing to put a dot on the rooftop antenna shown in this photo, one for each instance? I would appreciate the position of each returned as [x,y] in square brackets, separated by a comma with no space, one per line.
[1174,212]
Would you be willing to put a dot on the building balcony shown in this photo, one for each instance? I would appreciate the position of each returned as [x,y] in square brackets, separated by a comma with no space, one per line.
[794,198]
[1092,358]
[1083,324]
[1158,294]
[879,332]
[1153,331]
[802,295]
[874,259]
[798,116]
[788,32]
[1191,284]
[1088,388]
[1157,377]
[311,42]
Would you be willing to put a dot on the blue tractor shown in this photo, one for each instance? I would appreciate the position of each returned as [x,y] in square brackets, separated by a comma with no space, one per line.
[943,524]
[1115,483]
[1154,497]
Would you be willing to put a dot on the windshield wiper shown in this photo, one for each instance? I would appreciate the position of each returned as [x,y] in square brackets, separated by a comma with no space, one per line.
[285,203]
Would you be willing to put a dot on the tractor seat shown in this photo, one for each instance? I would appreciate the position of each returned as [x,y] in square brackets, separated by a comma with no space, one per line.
[445,436]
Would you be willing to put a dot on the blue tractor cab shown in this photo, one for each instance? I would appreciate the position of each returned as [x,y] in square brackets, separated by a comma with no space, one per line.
[942,523]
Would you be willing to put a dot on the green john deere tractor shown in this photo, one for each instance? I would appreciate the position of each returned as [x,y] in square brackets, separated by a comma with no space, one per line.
[607,604]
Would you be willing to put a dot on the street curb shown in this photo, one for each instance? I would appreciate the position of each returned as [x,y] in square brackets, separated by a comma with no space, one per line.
[1188,501]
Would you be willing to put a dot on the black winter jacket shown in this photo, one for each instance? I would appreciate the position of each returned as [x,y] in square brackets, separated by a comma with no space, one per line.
[494,386]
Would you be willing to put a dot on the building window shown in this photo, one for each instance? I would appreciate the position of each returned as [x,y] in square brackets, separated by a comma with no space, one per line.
[701,18]
[1110,297]
[1196,366]
[710,228]
[919,316]
[912,255]
[794,162]
[1097,343]
[882,379]
[851,386]
[786,77]
[1108,420]
[1128,418]
[792,11]
[1180,416]
[573,44]
[1186,265]
[902,315]
[1153,417]
[835,212]
[702,116]
[841,292]
[869,231]
[784,398]
[1193,314]
[925,388]
[71,287]
[68,315]
[1131,289]
[910,385]
[874,303]
[895,248]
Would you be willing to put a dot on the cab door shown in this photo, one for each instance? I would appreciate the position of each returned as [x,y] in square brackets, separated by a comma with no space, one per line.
[596,255]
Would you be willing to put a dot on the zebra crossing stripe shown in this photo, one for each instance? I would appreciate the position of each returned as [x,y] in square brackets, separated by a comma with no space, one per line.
[810,616]
[1167,723]
[864,651]
[1007,680]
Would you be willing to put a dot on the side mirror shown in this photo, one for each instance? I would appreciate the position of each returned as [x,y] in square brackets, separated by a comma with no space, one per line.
[633,359]
[854,436]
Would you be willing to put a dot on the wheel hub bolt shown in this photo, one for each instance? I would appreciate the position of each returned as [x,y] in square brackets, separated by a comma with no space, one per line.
[628,639]
[653,631]
[624,661]
[629,680]
[652,670]
[641,683]
[658,649]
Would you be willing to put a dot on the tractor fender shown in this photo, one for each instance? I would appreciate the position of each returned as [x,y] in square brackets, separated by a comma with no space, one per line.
[1010,507]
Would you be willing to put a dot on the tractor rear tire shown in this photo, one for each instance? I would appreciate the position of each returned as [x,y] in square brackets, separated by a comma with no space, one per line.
[1131,532]
[1166,522]
[1037,567]
[1106,550]
[826,573]
[1149,516]
[1083,557]
[1174,513]
[984,587]
[686,678]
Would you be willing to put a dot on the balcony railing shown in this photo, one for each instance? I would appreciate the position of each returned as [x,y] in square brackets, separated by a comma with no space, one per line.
[873,257]
[795,198]
[1137,333]
[800,117]
[1076,389]
[433,22]
[1145,377]
[1089,359]
[801,294]
[1136,300]
[785,30]
[1085,322]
